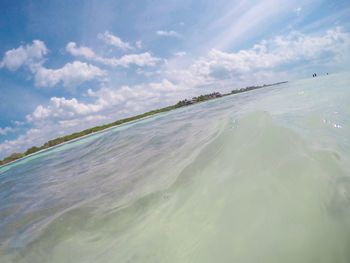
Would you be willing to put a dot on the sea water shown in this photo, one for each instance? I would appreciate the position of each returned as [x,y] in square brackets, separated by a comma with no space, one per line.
[261,176]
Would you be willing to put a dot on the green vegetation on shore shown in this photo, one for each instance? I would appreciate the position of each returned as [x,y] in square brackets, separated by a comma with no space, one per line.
[76,135]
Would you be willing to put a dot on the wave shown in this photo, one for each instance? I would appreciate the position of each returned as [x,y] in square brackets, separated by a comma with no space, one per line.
[255,191]
[258,177]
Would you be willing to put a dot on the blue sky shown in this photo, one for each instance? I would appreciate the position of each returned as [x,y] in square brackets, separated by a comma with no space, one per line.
[69,65]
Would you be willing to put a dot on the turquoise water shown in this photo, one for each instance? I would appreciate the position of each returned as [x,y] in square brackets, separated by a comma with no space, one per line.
[262,176]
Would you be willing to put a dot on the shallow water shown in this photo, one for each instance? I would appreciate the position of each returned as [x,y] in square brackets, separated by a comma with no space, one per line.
[262,176]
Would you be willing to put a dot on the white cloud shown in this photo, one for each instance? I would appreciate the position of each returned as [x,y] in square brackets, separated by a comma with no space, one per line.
[260,64]
[76,122]
[180,53]
[332,45]
[69,75]
[166,86]
[141,60]
[24,55]
[281,50]
[6,130]
[138,44]
[170,33]
[113,40]
[81,51]
[62,108]
[104,99]
[39,113]
[32,57]
[21,143]
[108,97]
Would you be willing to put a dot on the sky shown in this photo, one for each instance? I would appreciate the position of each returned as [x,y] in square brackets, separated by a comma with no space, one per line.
[66,65]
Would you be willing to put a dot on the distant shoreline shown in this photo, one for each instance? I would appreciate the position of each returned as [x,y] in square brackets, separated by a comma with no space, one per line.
[15,157]
[73,140]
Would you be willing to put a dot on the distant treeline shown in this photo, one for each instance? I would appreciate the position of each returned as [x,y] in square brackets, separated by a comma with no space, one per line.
[255,87]
[76,135]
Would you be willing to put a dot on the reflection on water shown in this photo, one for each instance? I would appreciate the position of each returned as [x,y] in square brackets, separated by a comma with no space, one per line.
[255,177]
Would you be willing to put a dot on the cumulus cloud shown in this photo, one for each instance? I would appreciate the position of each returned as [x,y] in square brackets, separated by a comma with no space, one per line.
[169,33]
[22,142]
[138,44]
[69,75]
[113,40]
[59,108]
[74,73]
[141,60]
[180,53]
[32,57]
[24,55]
[166,86]
[76,122]
[269,55]
[81,51]
[279,51]
[104,99]
[6,130]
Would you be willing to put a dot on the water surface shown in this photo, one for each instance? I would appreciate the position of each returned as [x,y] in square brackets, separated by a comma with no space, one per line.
[262,176]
